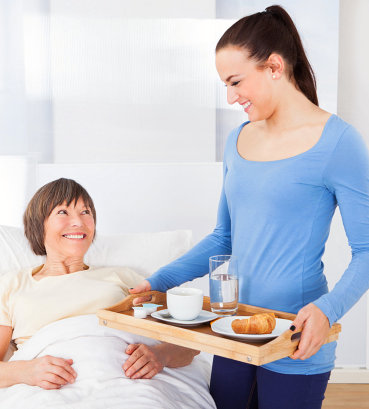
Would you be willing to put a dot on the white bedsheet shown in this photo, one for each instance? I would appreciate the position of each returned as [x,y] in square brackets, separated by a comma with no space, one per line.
[98,354]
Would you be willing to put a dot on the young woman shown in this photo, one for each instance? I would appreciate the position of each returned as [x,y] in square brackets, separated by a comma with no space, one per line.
[285,171]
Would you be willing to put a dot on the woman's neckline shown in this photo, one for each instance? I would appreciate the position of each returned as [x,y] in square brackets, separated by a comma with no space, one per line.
[35,270]
[318,142]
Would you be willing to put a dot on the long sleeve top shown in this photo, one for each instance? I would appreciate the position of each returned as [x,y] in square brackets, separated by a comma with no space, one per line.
[275,216]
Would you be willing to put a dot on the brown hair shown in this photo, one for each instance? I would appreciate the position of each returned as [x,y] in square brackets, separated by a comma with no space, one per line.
[44,202]
[273,31]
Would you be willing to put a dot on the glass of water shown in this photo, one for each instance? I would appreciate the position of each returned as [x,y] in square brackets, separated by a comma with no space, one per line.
[223,283]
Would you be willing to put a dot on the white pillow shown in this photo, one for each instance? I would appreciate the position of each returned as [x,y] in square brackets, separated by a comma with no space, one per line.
[143,252]
[15,251]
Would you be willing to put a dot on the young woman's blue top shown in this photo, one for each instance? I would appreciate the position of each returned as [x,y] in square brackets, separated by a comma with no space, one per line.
[275,217]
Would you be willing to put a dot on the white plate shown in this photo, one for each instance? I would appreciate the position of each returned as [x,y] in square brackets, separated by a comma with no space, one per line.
[205,316]
[224,326]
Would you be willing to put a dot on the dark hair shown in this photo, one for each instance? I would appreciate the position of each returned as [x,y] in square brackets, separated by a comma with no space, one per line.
[44,202]
[273,31]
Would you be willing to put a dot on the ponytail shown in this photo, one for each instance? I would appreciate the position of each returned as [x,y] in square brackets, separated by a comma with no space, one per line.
[273,31]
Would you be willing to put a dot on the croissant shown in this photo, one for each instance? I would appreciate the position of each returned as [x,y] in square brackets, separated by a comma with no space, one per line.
[257,324]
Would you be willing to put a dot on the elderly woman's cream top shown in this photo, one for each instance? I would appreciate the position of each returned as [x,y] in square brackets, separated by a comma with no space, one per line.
[27,304]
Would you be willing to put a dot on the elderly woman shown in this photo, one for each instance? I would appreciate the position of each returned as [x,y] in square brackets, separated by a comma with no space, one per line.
[60,223]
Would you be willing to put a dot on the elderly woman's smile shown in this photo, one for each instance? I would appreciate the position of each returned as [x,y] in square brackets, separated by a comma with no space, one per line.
[75,236]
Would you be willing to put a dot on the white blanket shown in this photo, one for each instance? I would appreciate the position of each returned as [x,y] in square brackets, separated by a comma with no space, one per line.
[98,355]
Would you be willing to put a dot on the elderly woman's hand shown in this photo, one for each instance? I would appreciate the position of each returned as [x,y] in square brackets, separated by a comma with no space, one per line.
[315,330]
[48,372]
[144,361]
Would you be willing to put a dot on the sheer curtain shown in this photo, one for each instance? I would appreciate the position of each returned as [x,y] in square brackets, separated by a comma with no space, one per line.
[13,133]
[123,80]
[26,113]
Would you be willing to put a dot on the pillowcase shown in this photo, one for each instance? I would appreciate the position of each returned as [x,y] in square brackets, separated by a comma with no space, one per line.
[143,252]
[15,250]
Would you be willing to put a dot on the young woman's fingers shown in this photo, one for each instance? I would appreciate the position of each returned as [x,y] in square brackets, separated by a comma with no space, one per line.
[310,343]
[300,320]
[140,300]
[315,331]
[312,348]
[141,288]
[302,348]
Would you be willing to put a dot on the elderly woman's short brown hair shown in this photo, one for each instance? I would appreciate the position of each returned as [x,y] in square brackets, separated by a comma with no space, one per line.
[44,201]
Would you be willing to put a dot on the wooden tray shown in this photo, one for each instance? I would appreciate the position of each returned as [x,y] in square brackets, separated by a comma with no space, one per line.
[202,338]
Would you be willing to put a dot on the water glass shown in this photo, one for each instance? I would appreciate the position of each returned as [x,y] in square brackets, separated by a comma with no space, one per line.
[223,283]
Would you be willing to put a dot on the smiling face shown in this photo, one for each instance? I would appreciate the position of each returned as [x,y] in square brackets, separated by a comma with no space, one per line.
[248,83]
[69,231]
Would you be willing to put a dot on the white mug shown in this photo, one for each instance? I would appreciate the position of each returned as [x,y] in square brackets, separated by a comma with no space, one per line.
[184,304]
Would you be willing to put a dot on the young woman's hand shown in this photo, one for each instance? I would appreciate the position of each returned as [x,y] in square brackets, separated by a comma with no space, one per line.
[144,361]
[141,288]
[48,372]
[315,329]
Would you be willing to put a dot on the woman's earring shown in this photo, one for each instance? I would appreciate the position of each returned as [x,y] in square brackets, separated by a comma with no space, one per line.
[273,76]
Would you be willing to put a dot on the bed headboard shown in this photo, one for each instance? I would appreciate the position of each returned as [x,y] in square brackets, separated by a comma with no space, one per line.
[145,197]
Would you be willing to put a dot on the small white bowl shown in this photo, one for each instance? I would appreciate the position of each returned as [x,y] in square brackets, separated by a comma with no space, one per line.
[139,312]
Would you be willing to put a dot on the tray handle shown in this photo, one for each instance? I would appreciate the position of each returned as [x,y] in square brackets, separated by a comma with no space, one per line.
[280,347]
[286,344]
[126,304]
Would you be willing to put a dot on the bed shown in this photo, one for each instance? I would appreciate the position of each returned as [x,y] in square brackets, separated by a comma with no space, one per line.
[98,352]
[144,220]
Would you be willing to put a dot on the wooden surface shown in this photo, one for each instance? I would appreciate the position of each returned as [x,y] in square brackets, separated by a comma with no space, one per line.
[202,338]
[346,396]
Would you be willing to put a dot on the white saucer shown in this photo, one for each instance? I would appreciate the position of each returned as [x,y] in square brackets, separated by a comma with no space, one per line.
[204,316]
[224,326]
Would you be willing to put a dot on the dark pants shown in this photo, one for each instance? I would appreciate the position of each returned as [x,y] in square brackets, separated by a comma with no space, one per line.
[236,385]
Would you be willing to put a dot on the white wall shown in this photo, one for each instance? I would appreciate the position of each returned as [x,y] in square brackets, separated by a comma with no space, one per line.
[147,197]
[353,78]
[353,88]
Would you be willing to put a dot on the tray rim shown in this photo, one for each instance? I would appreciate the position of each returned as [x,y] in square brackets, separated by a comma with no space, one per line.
[258,353]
